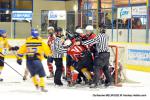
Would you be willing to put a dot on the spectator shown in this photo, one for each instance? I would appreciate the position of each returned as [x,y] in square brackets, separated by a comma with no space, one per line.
[138,24]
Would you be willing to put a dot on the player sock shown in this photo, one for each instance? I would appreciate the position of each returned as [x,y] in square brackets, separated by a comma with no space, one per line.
[86,73]
[35,81]
[1,68]
[72,68]
[42,85]
[50,68]
[42,82]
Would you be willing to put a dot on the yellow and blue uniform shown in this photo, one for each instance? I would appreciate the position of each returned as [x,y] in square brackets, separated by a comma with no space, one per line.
[34,49]
[4,46]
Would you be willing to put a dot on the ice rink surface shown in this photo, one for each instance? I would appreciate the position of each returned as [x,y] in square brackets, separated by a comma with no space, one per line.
[14,88]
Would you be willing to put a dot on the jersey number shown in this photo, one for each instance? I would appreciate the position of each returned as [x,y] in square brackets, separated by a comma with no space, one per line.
[32,50]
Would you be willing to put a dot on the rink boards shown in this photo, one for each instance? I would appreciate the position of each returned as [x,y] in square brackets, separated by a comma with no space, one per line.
[135,56]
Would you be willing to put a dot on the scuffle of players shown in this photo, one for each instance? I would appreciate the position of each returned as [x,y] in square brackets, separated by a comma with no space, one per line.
[80,58]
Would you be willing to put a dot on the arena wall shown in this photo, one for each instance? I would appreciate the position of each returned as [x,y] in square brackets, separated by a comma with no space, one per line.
[134,56]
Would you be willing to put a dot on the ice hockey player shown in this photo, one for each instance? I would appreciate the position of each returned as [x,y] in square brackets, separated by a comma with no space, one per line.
[4,48]
[101,59]
[34,49]
[50,41]
[92,48]
[51,38]
[90,35]
[83,37]
[58,56]
[80,57]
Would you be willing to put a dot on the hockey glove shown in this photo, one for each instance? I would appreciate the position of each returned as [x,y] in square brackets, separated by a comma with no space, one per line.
[45,56]
[15,48]
[50,59]
[19,61]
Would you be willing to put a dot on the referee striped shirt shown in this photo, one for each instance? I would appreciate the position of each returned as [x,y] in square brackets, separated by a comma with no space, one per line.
[101,42]
[57,48]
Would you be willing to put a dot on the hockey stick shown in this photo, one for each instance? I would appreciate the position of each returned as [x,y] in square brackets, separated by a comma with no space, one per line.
[26,70]
[12,68]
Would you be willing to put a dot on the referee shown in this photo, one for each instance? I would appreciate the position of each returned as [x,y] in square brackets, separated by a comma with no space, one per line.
[101,59]
[57,48]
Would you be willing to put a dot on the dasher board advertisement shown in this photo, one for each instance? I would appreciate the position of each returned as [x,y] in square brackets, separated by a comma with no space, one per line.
[21,15]
[57,15]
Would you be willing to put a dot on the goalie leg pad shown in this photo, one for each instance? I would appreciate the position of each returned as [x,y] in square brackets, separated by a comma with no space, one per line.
[86,73]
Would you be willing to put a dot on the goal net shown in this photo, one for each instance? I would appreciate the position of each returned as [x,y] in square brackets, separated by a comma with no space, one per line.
[117,64]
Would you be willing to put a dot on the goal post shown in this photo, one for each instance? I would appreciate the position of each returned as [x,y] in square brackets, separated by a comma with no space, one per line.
[117,58]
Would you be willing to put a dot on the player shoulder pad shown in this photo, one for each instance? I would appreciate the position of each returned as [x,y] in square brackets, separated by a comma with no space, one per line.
[92,36]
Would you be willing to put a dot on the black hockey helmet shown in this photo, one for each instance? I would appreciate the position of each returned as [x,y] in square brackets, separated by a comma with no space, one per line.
[58,29]
[103,28]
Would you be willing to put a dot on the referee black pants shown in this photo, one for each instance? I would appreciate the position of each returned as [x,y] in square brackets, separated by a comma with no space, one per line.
[101,61]
[58,72]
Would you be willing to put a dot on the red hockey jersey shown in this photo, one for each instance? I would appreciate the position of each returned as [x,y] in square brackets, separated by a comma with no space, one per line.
[50,40]
[76,51]
[92,36]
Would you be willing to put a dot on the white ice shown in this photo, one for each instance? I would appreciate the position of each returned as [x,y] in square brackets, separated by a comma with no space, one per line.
[14,88]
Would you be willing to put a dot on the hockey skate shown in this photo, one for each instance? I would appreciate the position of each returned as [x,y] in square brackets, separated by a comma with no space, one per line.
[72,83]
[69,81]
[108,84]
[79,81]
[64,76]
[90,82]
[37,87]
[51,75]
[1,79]
[93,85]
[58,83]
[24,78]
[43,89]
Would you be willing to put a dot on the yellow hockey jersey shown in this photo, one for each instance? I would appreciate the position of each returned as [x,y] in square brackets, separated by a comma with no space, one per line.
[34,46]
[4,45]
